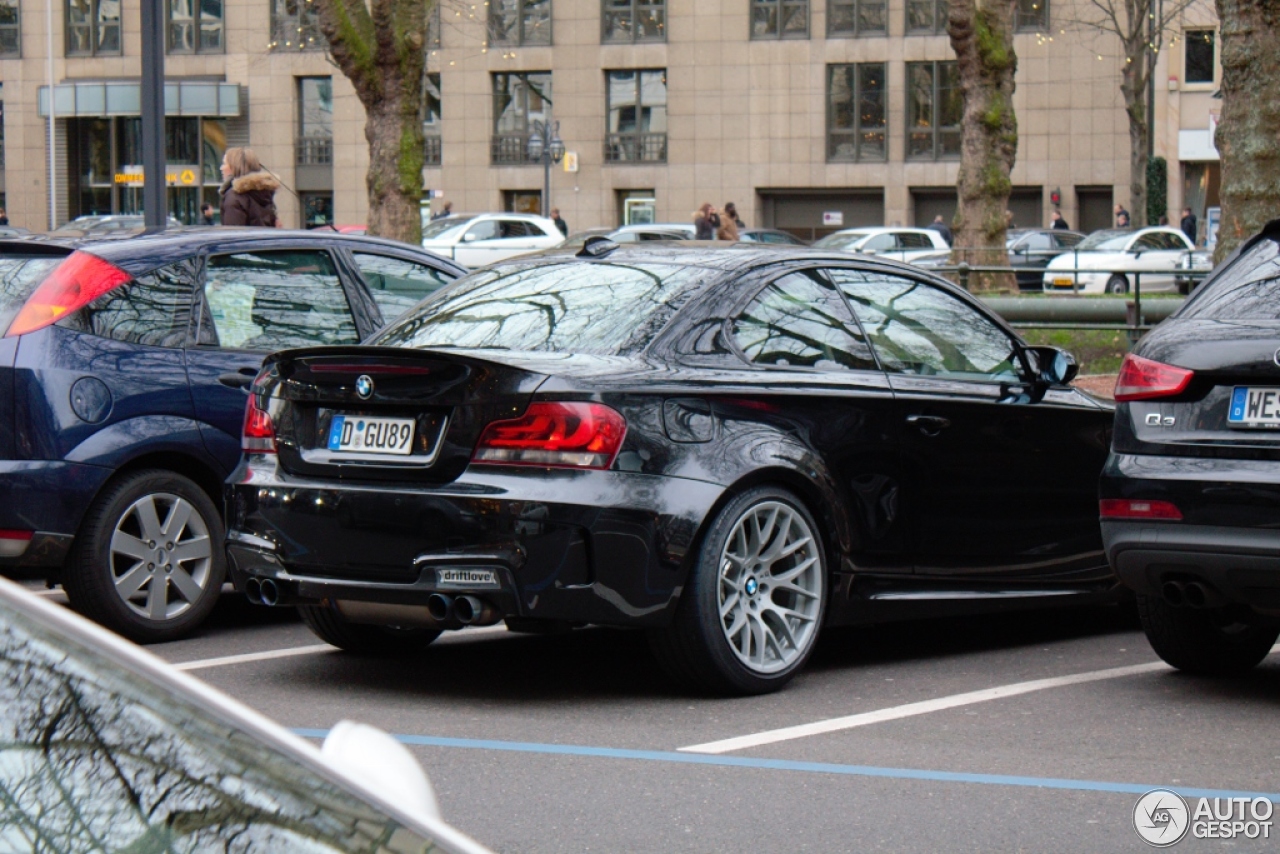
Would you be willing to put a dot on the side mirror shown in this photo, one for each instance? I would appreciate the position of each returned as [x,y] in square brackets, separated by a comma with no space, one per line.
[1052,366]
[382,765]
[869,251]
[470,237]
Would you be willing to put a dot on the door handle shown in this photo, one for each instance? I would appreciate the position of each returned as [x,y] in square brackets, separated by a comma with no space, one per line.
[240,379]
[929,425]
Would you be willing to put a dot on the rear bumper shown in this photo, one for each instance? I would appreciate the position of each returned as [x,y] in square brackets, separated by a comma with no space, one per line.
[48,498]
[594,547]
[1229,538]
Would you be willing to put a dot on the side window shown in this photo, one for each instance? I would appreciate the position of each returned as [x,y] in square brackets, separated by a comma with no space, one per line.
[1037,242]
[515,228]
[277,299]
[916,328]
[1172,241]
[486,229]
[911,240]
[1150,241]
[1066,241]
[397,284]
[881,243]
[153,309]
[800,321]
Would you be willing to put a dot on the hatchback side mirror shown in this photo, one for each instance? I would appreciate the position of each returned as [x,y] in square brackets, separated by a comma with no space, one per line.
[1052,366]
[470,237]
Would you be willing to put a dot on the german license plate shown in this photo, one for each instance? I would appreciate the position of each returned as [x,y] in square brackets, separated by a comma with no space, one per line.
[1254,407]
[469,578]
[1062,283]
[364,434]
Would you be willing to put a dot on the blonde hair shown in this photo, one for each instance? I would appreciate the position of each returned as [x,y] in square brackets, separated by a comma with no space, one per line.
[242,161]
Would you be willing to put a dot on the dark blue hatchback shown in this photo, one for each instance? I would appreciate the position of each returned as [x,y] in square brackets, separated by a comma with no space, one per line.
[124,365]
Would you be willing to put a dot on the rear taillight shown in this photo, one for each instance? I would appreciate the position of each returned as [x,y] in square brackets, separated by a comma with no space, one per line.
[1134,508]
[259,435]
[572,435]
[14,543]
[1142,379]
[72,285]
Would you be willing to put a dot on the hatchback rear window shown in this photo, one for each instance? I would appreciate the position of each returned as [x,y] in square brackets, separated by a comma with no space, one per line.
[1247,289]
[596,308]
[19,276]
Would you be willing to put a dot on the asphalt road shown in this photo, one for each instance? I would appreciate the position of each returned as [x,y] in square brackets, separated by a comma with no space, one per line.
[573,742]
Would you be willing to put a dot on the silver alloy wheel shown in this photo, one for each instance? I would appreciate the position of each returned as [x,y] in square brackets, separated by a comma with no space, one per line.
[161,557]
[770,587]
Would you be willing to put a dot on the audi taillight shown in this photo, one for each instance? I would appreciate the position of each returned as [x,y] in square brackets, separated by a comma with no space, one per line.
[556,434]
[72,285]
[1142,379]
[1138,508]
[259,434]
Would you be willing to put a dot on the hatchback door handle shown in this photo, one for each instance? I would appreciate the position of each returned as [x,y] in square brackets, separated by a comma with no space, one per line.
[930,425]
[242,378]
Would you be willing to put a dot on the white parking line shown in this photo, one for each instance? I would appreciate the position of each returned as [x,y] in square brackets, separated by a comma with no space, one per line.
[922,708]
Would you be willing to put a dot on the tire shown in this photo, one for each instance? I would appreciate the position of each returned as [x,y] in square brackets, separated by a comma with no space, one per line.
[336,630]
[737,630]
[1207,641]
[149,561]
[1117,285]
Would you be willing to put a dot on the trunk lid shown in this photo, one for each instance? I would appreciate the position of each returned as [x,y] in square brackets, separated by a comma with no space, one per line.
[447,397]
[1226,356]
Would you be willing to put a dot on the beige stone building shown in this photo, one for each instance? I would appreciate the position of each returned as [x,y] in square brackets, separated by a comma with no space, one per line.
[809,114]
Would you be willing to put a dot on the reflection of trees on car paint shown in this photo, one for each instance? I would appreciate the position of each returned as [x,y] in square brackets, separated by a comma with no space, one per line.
[600,309]
[1243,291]
[799,320]
[398,284]
[92,762]
[154,310]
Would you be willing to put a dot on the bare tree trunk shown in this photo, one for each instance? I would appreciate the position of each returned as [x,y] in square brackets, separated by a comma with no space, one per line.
[1133,86]
[982,36]
[1248,136]
[380,49]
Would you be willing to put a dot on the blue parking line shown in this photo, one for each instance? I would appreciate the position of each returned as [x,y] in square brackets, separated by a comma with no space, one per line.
[807,767]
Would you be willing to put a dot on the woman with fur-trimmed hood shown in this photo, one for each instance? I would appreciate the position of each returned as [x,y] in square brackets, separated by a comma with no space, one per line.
[248,191]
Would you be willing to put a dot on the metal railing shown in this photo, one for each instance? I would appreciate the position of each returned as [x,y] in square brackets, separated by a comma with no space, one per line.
[510,149]
[635,147]
[313,151]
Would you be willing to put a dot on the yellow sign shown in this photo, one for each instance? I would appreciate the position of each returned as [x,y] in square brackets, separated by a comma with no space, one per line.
[571,161]
[188,176]
[133,177]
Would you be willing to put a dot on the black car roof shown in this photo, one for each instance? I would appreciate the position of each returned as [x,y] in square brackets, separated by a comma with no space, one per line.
[146,250]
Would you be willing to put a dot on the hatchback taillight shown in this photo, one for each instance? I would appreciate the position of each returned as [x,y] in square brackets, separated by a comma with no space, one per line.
[1142,379]
[14,543]
[72,285]
[259,435]
[556,434]
[1138,508]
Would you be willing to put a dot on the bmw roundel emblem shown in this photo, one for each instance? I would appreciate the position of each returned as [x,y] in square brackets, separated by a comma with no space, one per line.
[1276,358]
[364,386]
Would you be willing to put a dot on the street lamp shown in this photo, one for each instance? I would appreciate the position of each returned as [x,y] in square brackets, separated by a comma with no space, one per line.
[546,145]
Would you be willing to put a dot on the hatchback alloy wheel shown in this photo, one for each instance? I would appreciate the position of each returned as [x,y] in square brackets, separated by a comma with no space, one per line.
[161,556]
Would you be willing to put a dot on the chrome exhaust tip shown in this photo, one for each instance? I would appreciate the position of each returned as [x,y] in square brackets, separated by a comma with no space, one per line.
[474,611]
[268,592]
[1196,595]
[440,607]
[1173,593]
[253,591]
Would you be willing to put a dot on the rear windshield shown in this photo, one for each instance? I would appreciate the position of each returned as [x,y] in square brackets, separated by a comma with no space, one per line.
[573,307]
[19,276]
[1247,289]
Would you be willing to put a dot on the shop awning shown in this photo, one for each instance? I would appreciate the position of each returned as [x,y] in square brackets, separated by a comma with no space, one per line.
[181,98]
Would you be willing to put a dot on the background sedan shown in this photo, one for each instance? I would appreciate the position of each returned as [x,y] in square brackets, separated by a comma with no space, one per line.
[1114,260]
[479,239]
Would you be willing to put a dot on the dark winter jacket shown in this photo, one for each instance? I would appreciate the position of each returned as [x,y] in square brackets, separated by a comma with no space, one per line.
[249,200]
[705,227]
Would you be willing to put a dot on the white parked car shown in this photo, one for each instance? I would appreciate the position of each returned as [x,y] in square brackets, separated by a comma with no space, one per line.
[478,239]
[900,244]
[1112,259]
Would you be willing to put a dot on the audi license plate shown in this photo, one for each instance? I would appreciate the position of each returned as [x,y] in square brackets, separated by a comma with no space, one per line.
[468,578]
[364,434]
[1254,407]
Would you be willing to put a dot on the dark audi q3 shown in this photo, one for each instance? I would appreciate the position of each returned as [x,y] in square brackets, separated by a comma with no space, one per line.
[1191,489]
[729,447]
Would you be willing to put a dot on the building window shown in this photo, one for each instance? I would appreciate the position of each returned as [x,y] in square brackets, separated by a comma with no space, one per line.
[10,38]
[934,110]
[518,101]
[93,27]
[315,122]
[856,17]
[779,19]
[1200,56]
[856,111]
[295,25]
[627,21]
[431,120]
[926,16]
[1031,15]
[195,26]
[520,22]
[636,116]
